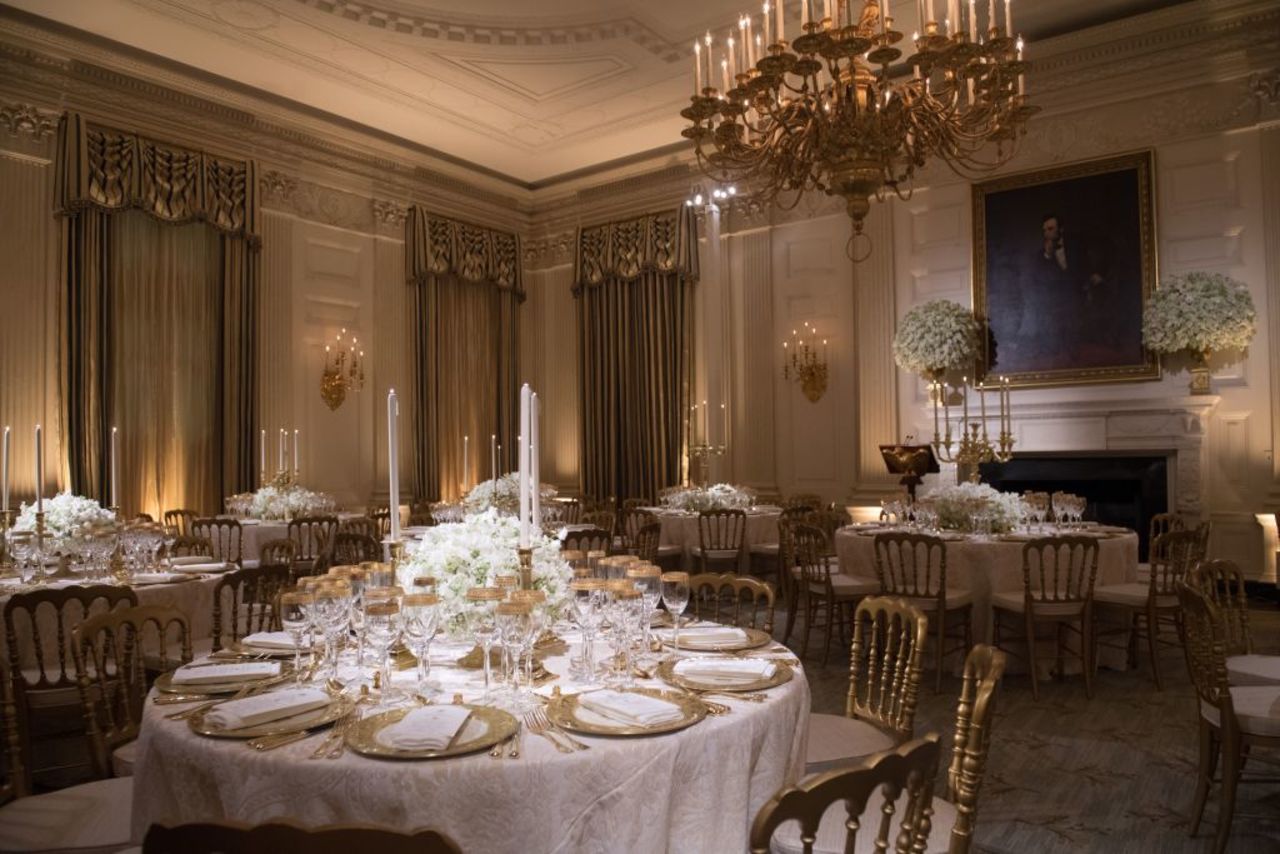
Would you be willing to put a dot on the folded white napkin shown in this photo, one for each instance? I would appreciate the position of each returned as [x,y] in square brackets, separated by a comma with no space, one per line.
[247,671]
[264,708]
[187,560]
[205,565]
[250,522]
[710,636]
[270,640]
[634,709]
[723,671]
[157,577]
[428,728]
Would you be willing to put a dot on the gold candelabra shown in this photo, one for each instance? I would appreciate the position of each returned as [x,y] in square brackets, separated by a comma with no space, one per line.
[800,361]
[974,445]
[343,370]
[834,110]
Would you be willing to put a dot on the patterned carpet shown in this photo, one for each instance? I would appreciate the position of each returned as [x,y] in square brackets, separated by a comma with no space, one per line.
[1113,774]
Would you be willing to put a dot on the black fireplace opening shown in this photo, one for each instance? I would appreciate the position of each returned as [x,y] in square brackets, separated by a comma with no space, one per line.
[1121,489]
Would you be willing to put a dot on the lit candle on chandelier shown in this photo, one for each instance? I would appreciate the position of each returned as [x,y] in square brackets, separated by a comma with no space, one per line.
[1021,77]
[706,41]
[779,12]
[724,71]
[1008,17]
[697,69]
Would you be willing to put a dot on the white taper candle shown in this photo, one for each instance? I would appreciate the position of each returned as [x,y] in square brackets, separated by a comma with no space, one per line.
[393,464]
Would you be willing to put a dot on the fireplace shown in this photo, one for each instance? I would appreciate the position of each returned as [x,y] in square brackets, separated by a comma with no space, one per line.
[1122,489]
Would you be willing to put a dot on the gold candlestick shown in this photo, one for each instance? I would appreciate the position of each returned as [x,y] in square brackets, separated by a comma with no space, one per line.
[973,446]
[395,551]
[6,522]
[526,568]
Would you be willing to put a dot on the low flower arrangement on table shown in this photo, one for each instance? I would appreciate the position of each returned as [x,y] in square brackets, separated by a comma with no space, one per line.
[502,494]
[65,516]
[959,507]
[281,502]
[474,552]
[721,496]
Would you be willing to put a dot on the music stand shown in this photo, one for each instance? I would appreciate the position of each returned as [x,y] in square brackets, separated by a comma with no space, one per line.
[913,462]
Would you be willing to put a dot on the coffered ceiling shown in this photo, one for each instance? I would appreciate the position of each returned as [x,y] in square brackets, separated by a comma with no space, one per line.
[528,89]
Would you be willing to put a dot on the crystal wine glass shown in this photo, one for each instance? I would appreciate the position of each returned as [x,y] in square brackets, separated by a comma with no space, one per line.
[383,625]
[422,614]
[675,597]
[648,580]
[295,618]
[588,595]
[481,605]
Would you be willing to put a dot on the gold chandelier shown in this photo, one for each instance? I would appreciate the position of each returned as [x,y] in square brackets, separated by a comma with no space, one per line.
[343,370]
[834,110]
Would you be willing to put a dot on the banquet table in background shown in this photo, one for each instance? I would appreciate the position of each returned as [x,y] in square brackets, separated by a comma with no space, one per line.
[988,565]
[680,528]
[695,790]
[193,597]
[255,534]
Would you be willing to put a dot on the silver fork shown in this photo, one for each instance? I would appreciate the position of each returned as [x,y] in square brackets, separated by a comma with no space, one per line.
[540,727]
[541,716]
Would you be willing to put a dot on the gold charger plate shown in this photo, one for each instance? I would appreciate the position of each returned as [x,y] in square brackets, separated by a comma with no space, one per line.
[484,728]
[755,639]
[338,708]
[165,682]
[782,674]
[565,712]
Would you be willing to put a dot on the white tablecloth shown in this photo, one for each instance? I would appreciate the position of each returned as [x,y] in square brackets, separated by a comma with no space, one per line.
[681,529]
[985,566]
[696,790]
[193,598]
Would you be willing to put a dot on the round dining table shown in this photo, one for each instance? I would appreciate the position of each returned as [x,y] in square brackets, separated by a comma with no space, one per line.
[695,790]
[680,528]
[986,565]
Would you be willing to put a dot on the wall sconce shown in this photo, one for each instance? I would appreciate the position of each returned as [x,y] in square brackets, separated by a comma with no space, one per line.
[801,362]
[343,370]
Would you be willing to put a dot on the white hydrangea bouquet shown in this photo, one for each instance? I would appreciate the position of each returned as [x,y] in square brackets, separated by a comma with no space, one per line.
[473,552]
[502,493]
[721,496]
[936,336]
[287,501]
[65,515]
[1200,313]
[957,506]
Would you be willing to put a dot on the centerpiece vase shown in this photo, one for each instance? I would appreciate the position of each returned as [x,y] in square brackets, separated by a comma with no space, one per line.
[1200,372]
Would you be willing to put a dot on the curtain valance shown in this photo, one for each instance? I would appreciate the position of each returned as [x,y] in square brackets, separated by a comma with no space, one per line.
[663,242]
[437,245]
[112,169]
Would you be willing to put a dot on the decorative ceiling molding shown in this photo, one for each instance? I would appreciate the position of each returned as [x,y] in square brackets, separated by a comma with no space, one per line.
[555,250]
[19,118]
[439,28]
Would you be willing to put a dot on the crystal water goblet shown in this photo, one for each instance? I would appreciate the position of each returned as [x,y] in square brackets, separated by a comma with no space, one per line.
[588,596]
[675,597]
[383,624]
[481,605]
[648,580]
[295,618]
[422,617]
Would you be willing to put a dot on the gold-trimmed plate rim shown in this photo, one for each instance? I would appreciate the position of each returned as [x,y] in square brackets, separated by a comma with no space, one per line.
[241,648]
[338,708]
[756,638]
[361,737]
[782,674]
[561,710]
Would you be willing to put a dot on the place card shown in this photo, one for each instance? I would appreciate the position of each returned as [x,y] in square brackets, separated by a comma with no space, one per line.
[200,674]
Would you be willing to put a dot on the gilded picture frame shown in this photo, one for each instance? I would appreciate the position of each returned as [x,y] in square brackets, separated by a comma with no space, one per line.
[1064,260]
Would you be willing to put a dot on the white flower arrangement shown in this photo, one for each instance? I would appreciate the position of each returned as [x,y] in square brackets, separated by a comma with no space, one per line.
[473,552]
[721,496]
[502,493]
[65,515]
[936,336]
[1200,312]
[957,504]
[276,502]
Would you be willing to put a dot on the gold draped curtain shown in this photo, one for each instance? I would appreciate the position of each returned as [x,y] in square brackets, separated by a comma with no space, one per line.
[194,296]
[465,292]
[632,282]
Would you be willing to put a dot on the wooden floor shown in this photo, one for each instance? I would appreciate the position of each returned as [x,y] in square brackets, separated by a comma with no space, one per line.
[1113,774]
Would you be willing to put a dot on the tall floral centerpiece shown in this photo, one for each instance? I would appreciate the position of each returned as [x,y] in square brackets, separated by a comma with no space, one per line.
[1199,313]
[65,516]
[474,552]
[936,337]
[501,494]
